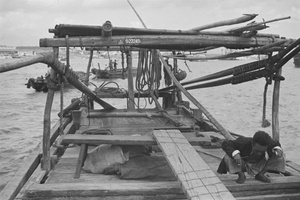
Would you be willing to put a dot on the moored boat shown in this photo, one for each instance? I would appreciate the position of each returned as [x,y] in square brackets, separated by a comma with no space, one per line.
[109,73]
[40,84]
[169,150]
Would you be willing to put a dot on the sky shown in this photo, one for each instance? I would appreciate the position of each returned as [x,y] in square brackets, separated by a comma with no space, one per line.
[24,22]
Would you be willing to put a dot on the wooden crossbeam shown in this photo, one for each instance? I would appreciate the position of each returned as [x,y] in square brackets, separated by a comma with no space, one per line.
[86,140]
[197,180]
[122,140]
[161,42]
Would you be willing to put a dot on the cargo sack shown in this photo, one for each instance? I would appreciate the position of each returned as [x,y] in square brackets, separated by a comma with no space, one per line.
[102,157]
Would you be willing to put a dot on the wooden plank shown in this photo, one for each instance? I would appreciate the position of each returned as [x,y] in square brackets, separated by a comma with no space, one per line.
[122,140]
[293,165]
[103,189]
[295,196]
[198,181]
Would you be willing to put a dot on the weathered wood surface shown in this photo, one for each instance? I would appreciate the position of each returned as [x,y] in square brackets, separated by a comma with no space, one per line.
[163,41]
[123,139]
[61,30]
[62,177]
[197,180]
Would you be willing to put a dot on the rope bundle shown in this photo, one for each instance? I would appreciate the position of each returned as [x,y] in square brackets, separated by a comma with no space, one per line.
[148,72]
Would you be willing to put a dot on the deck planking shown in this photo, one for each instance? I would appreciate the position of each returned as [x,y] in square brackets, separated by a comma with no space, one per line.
[94,186]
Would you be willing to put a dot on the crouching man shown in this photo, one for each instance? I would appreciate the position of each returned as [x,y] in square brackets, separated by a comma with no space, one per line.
[256,156]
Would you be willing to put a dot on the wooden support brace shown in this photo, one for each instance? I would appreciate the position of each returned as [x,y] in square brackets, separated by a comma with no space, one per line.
[81,159]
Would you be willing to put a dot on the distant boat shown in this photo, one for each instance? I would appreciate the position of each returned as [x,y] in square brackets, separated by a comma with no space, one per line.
[297,60]
[111,73]
[40,83]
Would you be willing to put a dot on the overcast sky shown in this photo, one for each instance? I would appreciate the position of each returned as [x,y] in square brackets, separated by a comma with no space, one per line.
[24,22]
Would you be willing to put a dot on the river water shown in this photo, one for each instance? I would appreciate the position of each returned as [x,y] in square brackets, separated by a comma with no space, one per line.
[238,108]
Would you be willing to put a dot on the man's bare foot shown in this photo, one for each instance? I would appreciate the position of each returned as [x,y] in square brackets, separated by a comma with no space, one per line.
[262,178]
[241,179]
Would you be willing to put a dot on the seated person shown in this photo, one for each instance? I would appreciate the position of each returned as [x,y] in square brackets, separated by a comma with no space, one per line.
[256,156]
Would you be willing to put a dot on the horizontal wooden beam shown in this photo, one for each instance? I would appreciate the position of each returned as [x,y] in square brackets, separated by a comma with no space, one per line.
[119,188]
[162,41]
[121,140]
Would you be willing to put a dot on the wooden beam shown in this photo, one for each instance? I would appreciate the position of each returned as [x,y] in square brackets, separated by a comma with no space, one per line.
[162,41]
[197,180]
[89,186]
[122,140]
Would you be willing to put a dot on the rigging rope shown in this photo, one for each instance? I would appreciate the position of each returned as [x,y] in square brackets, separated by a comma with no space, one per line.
[148,73]
[265,122]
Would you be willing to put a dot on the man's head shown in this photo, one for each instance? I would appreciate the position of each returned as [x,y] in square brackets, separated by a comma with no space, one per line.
[261,141]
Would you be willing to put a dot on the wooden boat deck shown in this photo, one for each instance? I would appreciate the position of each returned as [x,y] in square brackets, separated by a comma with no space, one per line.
[61,183]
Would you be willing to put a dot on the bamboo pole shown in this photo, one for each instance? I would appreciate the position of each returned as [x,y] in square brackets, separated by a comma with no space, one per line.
[275,107]
[253,25]
[21,62]
[245,18]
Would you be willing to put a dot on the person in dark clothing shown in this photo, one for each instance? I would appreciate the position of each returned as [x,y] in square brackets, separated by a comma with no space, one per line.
[115,65]
[256,156]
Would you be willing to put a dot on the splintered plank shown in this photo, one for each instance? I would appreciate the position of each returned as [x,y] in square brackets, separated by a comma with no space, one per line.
[197,180]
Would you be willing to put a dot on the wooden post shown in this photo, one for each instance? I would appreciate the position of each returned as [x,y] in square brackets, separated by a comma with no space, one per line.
[275,107]
[76,116]
[130,102]
[86,82]
[46,160]
[175,64]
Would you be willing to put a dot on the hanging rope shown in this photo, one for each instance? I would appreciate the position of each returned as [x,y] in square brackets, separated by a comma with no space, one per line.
[148,73]
[269,76]
[187,66]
